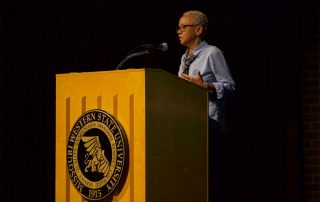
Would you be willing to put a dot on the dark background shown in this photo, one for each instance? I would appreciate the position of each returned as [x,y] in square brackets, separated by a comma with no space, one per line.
[261,41]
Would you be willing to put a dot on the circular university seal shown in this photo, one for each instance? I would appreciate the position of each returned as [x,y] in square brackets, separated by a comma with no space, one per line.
[97,155]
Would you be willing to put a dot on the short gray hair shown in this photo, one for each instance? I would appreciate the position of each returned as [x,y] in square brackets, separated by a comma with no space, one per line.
[199,18]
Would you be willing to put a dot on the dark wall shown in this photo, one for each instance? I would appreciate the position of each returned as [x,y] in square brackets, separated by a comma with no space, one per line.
[261,40]
[311,103]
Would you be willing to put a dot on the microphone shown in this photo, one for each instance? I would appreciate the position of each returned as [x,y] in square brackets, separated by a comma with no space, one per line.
[162,47]
[148,47]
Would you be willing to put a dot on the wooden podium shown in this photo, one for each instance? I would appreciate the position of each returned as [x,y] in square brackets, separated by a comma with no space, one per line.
[164,119]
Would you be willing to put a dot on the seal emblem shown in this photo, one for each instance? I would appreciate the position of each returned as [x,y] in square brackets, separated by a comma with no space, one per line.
[97,155]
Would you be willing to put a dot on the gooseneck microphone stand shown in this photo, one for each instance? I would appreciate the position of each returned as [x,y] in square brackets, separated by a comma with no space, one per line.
[131,56]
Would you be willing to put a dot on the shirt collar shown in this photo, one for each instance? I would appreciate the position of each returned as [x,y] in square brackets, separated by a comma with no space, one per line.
[199,48]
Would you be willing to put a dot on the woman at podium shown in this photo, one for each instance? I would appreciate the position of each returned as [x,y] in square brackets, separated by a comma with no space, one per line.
[205,65]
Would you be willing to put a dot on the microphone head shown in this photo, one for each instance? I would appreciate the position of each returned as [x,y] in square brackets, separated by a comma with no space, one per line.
[164,47]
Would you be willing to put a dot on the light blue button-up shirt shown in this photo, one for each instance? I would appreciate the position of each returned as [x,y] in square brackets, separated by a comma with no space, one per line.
[214,70]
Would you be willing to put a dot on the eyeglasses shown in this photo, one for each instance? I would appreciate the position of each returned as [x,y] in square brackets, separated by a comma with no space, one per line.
[183,28]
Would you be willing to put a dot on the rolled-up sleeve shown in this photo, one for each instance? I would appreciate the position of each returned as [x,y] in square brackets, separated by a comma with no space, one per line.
[223,81]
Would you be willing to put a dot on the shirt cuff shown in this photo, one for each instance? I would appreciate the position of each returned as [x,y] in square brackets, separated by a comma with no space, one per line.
[219,90]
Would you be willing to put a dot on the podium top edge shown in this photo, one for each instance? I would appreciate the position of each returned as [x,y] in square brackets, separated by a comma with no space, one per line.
[132,70]
[114,71]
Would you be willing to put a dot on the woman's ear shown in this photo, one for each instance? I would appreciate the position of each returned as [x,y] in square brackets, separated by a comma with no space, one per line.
[199,30]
